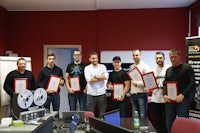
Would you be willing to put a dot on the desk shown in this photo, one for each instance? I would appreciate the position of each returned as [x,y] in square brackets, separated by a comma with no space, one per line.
[47,124]
[99,126]
[145,124]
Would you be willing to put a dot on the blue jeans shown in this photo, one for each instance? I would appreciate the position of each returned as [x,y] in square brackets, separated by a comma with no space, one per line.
[140,103]
[121,105]
[77,96]
[55,99]
[172,110]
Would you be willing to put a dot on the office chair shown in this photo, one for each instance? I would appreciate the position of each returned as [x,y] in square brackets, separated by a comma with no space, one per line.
[185,125]
[88,114]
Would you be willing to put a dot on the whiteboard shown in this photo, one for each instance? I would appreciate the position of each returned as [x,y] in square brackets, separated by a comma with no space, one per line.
[148,56]
[7,64]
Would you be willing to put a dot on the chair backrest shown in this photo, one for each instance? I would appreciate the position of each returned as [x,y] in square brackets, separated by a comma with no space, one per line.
[88,114]
[185,125]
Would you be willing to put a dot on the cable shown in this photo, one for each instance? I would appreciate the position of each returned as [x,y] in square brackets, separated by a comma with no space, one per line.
[13,114]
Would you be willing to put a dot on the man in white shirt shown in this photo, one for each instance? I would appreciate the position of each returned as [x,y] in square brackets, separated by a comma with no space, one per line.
[138,93]
[95,75]
[158,102]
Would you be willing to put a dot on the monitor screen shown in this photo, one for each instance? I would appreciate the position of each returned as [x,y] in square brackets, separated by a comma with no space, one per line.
[112,117]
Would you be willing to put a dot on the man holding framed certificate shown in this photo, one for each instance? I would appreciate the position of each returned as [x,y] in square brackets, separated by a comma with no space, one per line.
[179,83]
[157,101]
[76,83]
[119,83]
[19,79]
[139,94]
[50,78]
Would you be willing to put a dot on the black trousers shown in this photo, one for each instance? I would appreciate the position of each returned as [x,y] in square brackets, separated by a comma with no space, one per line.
[158,112]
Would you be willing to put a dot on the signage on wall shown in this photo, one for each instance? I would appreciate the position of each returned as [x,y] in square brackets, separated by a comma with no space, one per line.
[193,58]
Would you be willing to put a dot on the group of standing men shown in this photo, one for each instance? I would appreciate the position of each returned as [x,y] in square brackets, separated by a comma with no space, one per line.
[93,87]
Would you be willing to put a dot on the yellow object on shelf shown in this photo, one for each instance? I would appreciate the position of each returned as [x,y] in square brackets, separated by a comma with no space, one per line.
[18,123]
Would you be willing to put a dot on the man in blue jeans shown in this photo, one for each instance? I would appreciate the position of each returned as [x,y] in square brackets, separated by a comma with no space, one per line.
[182,76]
[139,95]
[76,70]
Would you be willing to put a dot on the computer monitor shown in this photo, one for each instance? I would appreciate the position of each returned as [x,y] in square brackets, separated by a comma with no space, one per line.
[46,127]
[100,126]
[112,117]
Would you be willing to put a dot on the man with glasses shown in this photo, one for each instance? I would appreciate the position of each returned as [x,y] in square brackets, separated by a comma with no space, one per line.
[76,70]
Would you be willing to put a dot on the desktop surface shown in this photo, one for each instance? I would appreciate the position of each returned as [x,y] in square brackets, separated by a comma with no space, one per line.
[145,125]
[98,125]
[47,125]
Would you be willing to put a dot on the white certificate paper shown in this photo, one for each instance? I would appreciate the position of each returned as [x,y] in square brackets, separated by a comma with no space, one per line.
[118,90]
[172,90]
[20,84]
[75,83]
[135,74]
[149,81]
[54,82]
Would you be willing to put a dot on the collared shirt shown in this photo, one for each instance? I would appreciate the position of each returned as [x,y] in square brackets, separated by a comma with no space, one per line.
[99,87]
[143,68]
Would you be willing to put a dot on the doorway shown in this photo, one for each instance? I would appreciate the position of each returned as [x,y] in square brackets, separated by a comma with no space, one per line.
[64,56]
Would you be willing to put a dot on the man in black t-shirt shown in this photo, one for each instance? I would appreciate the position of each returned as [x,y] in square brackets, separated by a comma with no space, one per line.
[75,71]
[118,79]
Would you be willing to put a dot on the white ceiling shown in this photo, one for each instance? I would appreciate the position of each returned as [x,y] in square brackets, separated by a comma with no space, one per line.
[82,5]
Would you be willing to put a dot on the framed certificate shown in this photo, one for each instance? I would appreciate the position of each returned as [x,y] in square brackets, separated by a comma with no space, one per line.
[172,90]
[117,90]
[54,82]
[135,74]
[149,81]
[75,83]
[20,84]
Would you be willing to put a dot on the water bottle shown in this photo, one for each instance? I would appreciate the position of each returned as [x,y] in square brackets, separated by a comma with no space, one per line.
[136,121]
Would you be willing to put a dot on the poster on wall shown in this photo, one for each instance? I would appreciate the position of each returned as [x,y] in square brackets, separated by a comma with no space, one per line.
[193,58]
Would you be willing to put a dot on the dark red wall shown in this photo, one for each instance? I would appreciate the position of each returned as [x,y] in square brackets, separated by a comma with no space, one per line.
[3,34]
[195,10]
[147,29]
[29,31]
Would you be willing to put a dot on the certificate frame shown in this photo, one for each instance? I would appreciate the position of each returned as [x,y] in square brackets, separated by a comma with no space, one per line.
[172,90]
[20,84]
[74,82]
[135,74]
[54,83]
[118,89]
[149,80]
